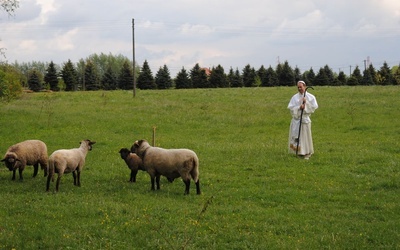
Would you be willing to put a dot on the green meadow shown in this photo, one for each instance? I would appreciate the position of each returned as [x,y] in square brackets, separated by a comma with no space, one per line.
[254,194]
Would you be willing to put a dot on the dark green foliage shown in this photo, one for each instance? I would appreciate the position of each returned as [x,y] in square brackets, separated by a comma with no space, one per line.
[235,79]
[182,80]
[271,78]
[352,81]
[51,77]
[163,79]
[309,77]
[109,80]
[357,74]
[321,79]
[249,76]
[341,79]
[385,76]
[285,74]
[218,78]
[297,74]
[198,77]
[91,80]
[35,80]
[146,79]
[125,78]
[70,76]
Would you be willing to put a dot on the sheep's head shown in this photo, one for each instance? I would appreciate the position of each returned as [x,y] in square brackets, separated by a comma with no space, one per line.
[11,161]
[89,143]
[124,153]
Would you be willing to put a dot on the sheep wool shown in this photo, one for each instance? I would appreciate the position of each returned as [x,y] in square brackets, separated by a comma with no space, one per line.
[133,162]
[66,161]
[171,163]
[29,152]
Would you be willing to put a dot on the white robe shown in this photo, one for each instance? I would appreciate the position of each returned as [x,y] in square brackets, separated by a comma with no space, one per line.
[305,143]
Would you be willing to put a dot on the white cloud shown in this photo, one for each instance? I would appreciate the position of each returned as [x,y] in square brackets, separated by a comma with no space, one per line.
[181,33]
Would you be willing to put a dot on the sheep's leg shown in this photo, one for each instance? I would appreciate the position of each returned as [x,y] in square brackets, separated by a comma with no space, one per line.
[74,175]
[45,168]
[20,174]
[48,183]
[35,169]
[152,182]
[79,178]
[198,187]
[187,184]
[13,177]
[158,181]
[133,176]
[58,182]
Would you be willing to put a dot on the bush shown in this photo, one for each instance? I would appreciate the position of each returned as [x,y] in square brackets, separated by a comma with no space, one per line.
[10,84]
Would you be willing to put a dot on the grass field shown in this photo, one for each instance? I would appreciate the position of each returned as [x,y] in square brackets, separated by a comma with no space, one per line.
[254,194]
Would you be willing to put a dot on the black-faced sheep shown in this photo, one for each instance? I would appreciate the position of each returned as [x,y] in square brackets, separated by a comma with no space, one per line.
[171,163]
[30,152]
[68,160]
[133,161]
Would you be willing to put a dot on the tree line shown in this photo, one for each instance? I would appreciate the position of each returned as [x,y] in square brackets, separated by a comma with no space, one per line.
[111,72]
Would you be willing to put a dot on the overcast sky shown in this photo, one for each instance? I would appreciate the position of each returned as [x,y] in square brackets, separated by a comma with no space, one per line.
[232,33]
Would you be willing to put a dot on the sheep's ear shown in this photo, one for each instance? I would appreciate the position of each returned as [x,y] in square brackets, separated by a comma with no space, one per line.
[3,159]
[91,142]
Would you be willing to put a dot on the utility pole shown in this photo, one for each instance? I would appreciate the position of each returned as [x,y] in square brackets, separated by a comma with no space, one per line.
[133,54]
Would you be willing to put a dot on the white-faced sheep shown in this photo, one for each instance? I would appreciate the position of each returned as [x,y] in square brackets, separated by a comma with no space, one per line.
[68,160]
[30,152]
[133,162]
[171,163]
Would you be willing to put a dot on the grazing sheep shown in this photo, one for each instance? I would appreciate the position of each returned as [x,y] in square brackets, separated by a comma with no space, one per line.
[171,163]
[133,162]
[68,160]
[30,152]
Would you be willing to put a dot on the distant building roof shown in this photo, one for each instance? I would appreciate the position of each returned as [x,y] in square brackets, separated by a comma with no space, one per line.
[207,70]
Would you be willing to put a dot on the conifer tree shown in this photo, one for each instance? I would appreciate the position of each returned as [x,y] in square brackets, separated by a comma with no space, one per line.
[321,79]
[51,77]
[342,79]
[309,77]
[182,80]
[357,74]
[198,77]
[218,78]
[34,80]
[262,74]
[163,79]
[286,75]
[125,78]
[146,79]
[109,80]
[92,81]
[234,78]
[249,76]
[385,76]
[70,76]
[271,78]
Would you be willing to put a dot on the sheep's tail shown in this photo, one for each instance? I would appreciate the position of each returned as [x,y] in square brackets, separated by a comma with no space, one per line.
[195,171]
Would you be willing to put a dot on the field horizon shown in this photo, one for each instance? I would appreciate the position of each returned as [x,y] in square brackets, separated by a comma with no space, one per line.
[255,195]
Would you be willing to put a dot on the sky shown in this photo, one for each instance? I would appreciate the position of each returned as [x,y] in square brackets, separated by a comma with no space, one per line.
[180,33]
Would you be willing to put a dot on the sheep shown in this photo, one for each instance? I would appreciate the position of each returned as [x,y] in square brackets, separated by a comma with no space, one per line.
[66,161]
[171,163]
[133,162]
[29,152]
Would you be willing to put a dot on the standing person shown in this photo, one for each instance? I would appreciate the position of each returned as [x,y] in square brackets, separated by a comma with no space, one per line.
[301,106]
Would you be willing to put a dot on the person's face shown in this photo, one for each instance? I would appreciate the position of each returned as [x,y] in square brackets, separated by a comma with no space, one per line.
[301,88]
